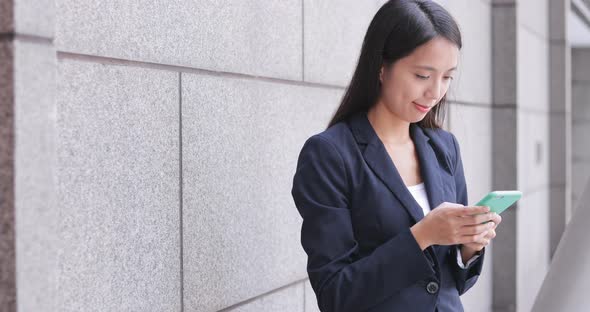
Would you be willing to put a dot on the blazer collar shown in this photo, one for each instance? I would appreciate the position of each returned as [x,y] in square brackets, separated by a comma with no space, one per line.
[382,165]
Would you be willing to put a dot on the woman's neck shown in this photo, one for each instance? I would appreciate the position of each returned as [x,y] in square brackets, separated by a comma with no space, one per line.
[390,128]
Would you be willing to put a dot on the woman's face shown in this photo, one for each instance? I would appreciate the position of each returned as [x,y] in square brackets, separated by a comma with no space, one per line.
[421,78]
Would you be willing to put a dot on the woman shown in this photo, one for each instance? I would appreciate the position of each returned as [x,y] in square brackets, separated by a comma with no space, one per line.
[386,221]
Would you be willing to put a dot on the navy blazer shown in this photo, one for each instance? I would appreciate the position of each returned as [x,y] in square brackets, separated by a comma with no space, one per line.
[357,213]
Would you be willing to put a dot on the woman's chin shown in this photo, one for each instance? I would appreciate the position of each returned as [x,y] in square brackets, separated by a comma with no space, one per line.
[417,119]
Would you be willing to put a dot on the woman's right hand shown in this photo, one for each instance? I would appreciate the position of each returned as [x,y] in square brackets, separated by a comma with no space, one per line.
[450,224]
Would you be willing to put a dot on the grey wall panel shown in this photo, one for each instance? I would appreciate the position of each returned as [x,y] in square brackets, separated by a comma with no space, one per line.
[533,71]
[35,17]
[311,301]
[241,139]
[333,34]
[472,82]
[472,126]
[533,151]
[118,188]
[289,299]
[532,246]
[534,16]
[251,37]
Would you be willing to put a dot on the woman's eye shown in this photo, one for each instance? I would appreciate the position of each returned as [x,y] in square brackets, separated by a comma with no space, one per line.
[426,77]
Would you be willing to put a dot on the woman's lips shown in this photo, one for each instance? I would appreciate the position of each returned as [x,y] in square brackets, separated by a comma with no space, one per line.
[421,108]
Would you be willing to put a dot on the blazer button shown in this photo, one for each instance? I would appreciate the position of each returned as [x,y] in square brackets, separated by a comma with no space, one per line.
[432,287]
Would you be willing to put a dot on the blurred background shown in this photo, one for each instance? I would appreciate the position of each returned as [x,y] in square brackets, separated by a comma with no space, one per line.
[147,148]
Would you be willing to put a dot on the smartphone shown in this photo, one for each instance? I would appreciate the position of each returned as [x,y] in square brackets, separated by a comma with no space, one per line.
[498,201]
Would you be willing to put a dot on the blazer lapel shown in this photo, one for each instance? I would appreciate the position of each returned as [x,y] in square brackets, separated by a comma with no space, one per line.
[429,166]
[382,165]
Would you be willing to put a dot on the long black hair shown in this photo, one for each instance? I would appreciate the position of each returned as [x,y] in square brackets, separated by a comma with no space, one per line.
[399,27]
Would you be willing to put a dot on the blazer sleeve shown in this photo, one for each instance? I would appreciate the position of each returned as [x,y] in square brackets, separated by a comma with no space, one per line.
[465,278]
[341,280]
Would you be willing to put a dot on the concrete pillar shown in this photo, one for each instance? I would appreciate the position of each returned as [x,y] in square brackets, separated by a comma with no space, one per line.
[7,243]
[520,148]
[27,156]
[504,147]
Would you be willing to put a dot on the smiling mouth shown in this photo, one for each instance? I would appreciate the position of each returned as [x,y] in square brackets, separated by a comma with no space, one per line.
[422,107]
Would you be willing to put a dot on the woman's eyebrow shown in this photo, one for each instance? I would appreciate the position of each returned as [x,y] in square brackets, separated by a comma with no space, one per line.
[430,68]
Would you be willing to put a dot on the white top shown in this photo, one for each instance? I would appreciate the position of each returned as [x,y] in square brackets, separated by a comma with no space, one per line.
[419,193]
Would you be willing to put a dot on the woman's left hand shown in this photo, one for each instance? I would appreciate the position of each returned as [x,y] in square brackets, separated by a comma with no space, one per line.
[479,245]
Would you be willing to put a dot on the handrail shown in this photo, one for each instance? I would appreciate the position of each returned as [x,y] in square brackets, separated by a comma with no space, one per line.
[565,287]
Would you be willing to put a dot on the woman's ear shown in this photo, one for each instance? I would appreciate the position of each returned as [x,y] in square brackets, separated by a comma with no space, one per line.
[381,75]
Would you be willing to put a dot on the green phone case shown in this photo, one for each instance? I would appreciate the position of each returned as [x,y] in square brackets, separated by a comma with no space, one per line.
[498,201]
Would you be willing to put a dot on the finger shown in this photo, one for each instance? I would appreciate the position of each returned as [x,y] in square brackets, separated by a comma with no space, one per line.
[471,210]
[475,246]
[447,204]
[495,225]
[491,234]
[481,238]
[477,238]
[496,218]
[450,206]
[492,223]
[484,217]
[475,229]
[475,219]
